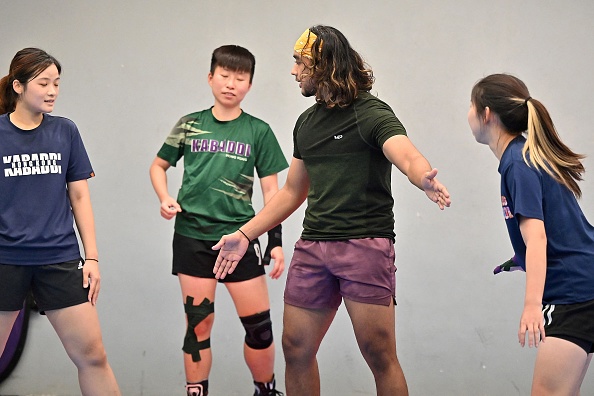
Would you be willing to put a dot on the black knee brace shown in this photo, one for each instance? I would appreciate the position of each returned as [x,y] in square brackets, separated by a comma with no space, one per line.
[196,314]
[258,330]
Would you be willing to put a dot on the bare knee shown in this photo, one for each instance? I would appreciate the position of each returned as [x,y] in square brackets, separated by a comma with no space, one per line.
[383,363]
[290,345]
[554,386]
[91,354]
[296,348]
[542,387]
[378,356]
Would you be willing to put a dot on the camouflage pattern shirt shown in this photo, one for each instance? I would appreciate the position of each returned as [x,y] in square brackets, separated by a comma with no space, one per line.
[219,162]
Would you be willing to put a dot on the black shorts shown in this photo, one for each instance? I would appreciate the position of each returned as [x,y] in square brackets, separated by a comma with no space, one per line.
[571,322]
[195,257]
[54,286]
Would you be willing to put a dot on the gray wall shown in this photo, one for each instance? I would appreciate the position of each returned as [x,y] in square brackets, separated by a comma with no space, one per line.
[130,69]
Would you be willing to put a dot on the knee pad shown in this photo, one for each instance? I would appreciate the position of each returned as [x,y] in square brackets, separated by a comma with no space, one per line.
[258,330]
[195,315]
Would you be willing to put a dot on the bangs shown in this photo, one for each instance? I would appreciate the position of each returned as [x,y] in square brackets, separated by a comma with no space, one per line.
[234,63]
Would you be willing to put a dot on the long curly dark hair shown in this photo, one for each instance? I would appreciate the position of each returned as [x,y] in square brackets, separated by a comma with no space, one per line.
[337,70]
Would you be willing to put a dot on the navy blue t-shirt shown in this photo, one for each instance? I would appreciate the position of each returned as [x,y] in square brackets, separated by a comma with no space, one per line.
[36,220]
[532,193]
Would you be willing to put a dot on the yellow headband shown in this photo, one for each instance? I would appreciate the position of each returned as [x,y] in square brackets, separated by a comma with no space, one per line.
[305,43]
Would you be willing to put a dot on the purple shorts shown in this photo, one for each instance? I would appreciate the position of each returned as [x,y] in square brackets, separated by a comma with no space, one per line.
[323,272]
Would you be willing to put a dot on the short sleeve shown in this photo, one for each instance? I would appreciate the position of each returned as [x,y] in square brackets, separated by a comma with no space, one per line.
[270,158]
[79,165]
[524,184]
[173,148]
[379,122]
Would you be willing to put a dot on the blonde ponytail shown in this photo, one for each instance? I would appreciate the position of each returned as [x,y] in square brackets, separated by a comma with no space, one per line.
[548,152]
[509,98]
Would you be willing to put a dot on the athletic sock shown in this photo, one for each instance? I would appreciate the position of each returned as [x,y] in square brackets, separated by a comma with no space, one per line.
[266,388]
[197,388]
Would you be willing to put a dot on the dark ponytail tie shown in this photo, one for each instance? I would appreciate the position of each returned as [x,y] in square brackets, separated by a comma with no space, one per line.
[527,99]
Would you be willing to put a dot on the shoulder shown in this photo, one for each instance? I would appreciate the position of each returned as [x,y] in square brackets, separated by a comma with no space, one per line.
[513,166]
[513,153]
[59,120]
[191,122]
[4,121]
[371,102]
[196,115]
[59,124]
[377,116]
[372,111]
[308,112]
[256,122]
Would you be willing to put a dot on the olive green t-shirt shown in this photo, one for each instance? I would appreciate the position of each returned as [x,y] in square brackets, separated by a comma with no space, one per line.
[219,162]
[350,193]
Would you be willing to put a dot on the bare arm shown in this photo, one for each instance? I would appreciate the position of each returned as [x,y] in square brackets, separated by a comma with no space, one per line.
[531,322]
[281,205]
[158,173]
[269,186]
[80,201]
[400,151]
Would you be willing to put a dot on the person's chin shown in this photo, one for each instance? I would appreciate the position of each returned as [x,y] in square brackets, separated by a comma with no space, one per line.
[307,93]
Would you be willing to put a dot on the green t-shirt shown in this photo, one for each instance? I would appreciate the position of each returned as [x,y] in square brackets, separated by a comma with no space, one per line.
[350,193]
[219,162]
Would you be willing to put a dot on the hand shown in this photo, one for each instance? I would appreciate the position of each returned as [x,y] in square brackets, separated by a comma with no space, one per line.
[92,280]
[169,208]
[435,191]
[279,262]
[232,248]
[531,324]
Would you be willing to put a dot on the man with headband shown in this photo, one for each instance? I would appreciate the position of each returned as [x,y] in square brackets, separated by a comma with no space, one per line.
[344,149]
[304,44]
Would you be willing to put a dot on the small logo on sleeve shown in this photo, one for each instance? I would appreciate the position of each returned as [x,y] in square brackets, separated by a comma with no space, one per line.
[507,213]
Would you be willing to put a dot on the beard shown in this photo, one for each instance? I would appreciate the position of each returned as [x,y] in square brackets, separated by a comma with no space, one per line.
[308,88]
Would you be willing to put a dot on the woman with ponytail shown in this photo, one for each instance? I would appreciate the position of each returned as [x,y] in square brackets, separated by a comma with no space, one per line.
[43,191]
[552,240]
